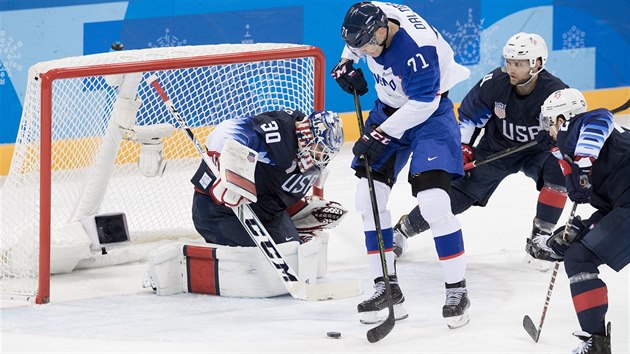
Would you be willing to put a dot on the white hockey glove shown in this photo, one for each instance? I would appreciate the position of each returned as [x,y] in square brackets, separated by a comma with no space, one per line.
[235,183]
[314,214]
[222,195]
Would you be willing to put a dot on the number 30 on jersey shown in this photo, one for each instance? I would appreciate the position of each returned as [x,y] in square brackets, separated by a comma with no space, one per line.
[272,135]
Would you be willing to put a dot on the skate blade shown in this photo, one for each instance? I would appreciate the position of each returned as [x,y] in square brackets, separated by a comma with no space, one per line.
[457,321]
[537,264]
[372,317]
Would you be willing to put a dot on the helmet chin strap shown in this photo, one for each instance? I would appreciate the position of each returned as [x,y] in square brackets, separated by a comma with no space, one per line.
[532,75]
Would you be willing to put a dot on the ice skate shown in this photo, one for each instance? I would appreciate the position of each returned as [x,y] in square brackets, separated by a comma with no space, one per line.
[454,310]
[400,240]
[374,309]
[539,256]
[593,343]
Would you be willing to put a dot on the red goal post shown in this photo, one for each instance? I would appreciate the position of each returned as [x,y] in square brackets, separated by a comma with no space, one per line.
[67,124]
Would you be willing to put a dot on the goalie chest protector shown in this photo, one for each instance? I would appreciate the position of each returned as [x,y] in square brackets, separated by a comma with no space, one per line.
[279,182]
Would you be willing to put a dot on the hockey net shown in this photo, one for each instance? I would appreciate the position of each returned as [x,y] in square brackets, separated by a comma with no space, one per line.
[76,156]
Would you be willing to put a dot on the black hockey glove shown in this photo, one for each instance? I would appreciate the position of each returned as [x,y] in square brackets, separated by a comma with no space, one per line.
[578,180]
[371,144]
[350,78]
[545,140]
[577,230]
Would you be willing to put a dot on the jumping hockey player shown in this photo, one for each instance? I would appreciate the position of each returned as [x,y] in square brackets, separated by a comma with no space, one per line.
[595,157]
[414,68]
[292,149]
[506,105]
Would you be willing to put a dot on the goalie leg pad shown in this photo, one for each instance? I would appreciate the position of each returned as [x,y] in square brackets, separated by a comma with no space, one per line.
[231,271]
[165,273]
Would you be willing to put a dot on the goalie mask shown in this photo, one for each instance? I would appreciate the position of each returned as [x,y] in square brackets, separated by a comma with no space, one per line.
[566,103]
[320,136]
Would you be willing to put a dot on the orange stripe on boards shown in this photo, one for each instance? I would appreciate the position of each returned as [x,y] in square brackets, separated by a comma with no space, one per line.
[552,197]
[590,299]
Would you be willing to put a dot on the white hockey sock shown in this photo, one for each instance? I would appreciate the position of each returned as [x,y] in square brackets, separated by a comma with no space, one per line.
[435,207]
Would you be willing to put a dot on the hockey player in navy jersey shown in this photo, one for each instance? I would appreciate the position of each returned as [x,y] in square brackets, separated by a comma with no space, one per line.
[505,105]
[414,68]
[293,150]
[595,156]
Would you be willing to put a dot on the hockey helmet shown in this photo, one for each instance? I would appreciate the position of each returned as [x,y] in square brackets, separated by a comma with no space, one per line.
[526,46]
[361,22]
[567,103]
[323,137]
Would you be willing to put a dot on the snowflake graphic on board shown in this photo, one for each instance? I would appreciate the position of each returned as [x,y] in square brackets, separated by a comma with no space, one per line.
[247,37]
[167,40]
[10,55]
[465,42]
[573,38]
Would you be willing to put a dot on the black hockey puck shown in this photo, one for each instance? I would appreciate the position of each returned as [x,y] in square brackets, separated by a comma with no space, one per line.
[333,335]
[117,46]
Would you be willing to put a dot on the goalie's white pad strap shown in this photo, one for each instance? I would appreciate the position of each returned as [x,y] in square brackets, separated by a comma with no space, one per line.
[238,167]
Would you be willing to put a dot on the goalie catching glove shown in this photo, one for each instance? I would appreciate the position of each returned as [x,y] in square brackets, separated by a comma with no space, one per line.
[315,214]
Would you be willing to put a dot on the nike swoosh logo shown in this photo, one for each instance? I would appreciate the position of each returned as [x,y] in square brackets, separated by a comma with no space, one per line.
[432,158]
[288,238]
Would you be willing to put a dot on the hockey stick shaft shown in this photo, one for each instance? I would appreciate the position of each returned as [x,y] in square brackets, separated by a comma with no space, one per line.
[256,230]
[621,108]
[499,155]
[552,282]
[379,332]
[512,150]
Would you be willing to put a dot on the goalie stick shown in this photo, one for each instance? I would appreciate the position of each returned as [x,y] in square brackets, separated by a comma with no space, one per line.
[621,108]
[299,289]
[514,149]
[528,324]
[379,332]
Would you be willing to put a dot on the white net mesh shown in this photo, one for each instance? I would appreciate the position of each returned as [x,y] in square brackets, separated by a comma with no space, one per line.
[157,207]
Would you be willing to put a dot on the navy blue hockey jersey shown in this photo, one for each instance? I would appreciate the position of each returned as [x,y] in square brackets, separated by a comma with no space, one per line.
[509,119]
[279,182]
[594,134]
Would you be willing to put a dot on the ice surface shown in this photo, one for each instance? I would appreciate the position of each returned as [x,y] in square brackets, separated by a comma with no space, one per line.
[107,311]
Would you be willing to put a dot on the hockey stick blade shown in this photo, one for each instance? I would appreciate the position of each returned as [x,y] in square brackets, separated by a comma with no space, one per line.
[621,108]
[382,330]
[530,328]
[326,291]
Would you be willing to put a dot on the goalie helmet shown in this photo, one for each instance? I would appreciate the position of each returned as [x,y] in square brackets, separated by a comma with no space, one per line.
[567,103]
[320,136]
[527,46]
[361,22]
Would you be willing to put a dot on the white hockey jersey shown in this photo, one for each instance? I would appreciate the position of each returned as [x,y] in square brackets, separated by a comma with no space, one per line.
[413,71]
